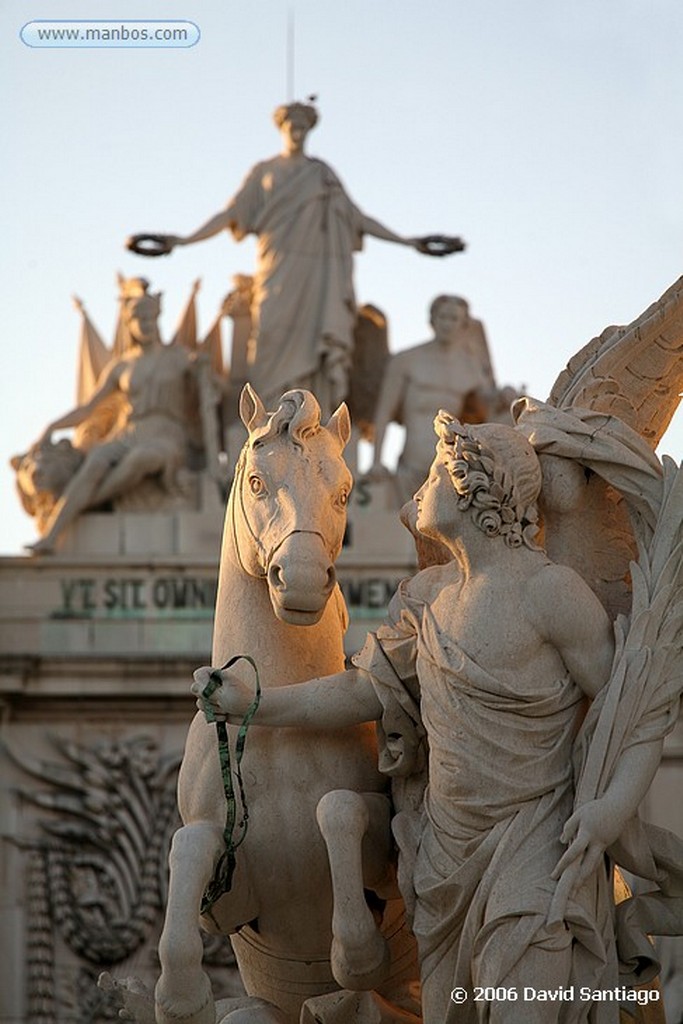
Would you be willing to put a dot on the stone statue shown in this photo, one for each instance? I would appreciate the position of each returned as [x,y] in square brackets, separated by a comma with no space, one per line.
[134,425]
[278,602]
[451,371]
[370,356]
[308,229]
[483,674]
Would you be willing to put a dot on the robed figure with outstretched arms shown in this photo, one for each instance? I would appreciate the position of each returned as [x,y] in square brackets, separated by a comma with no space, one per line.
[303,310]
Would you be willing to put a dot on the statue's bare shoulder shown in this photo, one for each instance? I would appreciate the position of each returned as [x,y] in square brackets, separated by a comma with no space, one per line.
[568,615]
[426,585]
[408,358]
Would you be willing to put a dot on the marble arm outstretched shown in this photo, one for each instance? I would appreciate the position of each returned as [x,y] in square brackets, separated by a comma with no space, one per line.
[79,413]
[346,698]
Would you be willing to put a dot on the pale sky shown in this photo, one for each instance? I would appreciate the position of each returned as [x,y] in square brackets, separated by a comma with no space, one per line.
[546,133]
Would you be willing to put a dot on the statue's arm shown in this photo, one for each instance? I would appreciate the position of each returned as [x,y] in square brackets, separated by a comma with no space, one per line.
[370,226]
[580,629]
[428,245]
[222,221]
[597,824]
[163,245]
[346,698]
[81,412]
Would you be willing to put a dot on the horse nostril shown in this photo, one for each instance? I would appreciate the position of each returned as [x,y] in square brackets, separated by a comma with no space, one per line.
[331,578]
[276,578]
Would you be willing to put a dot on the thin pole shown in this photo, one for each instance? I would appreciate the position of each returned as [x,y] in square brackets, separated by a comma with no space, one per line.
[290,56]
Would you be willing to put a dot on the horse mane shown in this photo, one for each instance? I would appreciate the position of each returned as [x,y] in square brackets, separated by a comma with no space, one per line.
[298,414]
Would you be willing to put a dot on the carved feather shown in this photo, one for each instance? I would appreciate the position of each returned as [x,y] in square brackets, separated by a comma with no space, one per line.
[633,372]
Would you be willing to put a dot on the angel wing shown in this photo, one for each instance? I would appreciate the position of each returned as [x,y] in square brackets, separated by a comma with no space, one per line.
[634,372]
[615,514]
[596,436]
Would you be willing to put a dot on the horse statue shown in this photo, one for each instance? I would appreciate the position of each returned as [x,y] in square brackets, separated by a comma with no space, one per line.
[279,603]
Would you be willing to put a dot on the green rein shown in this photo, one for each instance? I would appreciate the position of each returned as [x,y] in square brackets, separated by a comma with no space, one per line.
[221,883]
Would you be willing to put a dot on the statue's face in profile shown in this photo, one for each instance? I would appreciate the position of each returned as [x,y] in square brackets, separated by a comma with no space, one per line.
[436,503]
[449,318]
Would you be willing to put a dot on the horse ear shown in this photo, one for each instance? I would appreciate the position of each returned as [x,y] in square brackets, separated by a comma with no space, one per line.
[339,424]
[16,461]
[252,410]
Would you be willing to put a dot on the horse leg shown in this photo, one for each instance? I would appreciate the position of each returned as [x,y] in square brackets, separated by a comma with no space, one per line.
[357,832]
[183,993]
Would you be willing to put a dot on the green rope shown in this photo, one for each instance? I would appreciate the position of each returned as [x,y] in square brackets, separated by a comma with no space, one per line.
[221,882]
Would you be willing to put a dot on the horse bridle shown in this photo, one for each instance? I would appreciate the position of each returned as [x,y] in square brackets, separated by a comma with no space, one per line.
[266,555]
[238,486]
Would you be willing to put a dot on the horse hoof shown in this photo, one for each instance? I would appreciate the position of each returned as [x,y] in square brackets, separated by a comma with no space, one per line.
[361,968]
[185,1011]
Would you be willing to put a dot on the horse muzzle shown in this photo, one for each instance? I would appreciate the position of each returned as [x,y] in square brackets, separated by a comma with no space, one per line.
[301,576]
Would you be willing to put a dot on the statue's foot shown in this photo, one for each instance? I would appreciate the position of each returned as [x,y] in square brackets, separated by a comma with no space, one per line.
[135,999]
[195,1007]
[360,962]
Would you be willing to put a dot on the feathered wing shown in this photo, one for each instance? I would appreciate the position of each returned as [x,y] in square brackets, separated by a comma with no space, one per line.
[614,513]
[596,436]
[634,372]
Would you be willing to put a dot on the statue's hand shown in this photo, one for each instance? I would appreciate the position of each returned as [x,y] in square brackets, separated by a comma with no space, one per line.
[438,245]
[589,831]
[152,245]
[232,698]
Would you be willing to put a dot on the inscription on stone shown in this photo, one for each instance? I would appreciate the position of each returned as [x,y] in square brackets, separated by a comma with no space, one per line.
[135,595]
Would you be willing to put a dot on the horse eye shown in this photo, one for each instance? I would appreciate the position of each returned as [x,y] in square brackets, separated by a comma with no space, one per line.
[343,498]
[256,485]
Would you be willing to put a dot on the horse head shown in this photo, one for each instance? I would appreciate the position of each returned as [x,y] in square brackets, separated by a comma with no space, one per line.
[288,501]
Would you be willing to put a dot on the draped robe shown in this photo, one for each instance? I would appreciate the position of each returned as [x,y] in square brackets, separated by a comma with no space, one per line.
[478,850]
[304,307]
[478,844]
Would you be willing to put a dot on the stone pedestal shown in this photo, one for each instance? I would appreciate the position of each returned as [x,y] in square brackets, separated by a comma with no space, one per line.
[98,647]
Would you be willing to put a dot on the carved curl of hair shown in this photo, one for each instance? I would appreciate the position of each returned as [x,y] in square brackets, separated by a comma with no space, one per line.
[498,482]
[285,111]
[298,414]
